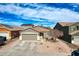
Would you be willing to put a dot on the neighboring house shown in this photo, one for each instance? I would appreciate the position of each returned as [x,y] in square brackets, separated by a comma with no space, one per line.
[9,32]
[34,33]
[69,31]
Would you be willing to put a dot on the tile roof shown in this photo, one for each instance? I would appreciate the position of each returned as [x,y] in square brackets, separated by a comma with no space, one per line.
[17,28]
[11,28]
[66,23]
[41,29]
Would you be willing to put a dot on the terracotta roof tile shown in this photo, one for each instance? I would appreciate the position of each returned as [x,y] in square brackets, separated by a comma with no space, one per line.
[66,23]
[40,29]
[11,28]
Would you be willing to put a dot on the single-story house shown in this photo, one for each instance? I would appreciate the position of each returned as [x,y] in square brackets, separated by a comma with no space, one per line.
[9,32]
[69,31]
[34,33]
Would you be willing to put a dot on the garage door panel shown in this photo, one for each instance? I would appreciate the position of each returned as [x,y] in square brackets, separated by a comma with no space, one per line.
[29,37]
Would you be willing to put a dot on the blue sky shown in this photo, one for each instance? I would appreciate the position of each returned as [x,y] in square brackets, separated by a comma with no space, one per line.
[45,14]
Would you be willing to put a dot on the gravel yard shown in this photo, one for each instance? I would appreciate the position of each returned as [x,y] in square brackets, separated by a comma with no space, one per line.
[35,48]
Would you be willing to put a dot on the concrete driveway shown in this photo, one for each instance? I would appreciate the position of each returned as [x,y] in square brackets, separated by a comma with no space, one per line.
[34,48]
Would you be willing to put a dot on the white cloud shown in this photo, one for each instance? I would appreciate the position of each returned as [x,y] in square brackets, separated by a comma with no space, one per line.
[51,13]
[56,14]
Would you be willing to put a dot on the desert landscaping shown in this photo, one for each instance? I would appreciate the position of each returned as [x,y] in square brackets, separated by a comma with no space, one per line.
[35,48]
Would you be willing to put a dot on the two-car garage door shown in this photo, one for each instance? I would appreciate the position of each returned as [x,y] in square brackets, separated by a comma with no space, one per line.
[29,36]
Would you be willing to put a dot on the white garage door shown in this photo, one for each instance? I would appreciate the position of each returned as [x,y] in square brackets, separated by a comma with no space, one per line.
[4,34]
[76,39]
[29,36]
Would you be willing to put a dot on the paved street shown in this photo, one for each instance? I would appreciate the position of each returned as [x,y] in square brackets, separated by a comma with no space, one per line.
[32,48]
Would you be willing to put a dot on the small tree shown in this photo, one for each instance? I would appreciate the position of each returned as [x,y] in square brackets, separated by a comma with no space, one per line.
[56,33]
